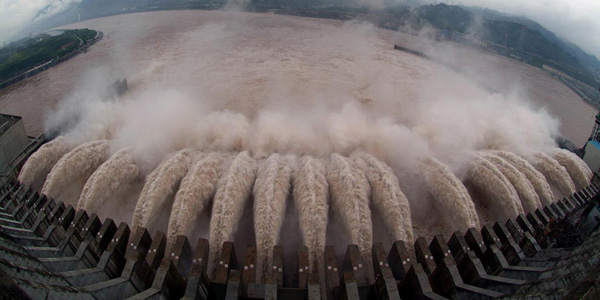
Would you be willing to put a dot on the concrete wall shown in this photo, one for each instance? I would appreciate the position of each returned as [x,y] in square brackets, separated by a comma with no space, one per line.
[592,155]
[12,143]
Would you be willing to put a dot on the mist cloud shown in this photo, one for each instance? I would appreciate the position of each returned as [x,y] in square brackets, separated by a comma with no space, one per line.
[369,115]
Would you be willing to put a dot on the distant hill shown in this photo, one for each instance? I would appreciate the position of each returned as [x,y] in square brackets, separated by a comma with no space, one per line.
[490,27]
[25,54]
[519,35]
[586,60]
[442,16]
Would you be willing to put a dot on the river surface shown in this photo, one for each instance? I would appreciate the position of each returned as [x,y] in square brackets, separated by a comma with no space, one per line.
[246,61]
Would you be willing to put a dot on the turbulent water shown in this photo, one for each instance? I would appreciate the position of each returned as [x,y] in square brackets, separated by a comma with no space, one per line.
[159,185]
[271,190]
[525,191]
[508,185]
[350,193]
[311,191]
[500,196]
[41,162]
[554,173]
[80,162]
[245,54]
[120,169]
[387,197]
[537,179]
[577,168]
[233,189]
[450,194]
[195,193]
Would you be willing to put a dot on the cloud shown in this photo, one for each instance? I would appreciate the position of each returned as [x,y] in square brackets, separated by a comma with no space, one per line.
[574,21]
[16,15]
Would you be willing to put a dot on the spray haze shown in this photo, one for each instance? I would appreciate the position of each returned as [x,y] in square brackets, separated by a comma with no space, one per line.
[537,179]
[500,197]
[271,190]
[554,173]
[387,197]
[525,191]
[41,162]
[159,186]
[450,194]
[233,189]
[195,193]
[120,169]
[81,162]
[577,168]
[311,192]
[350,194]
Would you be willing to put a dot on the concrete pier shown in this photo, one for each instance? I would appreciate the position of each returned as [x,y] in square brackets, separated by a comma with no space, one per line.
[51,250]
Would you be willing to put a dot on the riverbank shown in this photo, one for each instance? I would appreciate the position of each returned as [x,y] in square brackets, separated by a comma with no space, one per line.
[82,47]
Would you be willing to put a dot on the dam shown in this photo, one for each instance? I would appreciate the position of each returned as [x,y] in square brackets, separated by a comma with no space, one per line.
[51,250]
[56,250]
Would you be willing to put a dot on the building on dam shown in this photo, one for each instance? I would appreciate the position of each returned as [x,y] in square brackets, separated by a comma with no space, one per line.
[15,146]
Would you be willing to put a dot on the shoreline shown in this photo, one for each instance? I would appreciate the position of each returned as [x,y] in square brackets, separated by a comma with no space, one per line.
[53,62]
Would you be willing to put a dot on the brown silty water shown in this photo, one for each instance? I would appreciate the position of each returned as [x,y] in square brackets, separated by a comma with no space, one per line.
[257,59]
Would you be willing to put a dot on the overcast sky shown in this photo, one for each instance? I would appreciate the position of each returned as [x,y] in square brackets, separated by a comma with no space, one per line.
[16,14]
[577,21]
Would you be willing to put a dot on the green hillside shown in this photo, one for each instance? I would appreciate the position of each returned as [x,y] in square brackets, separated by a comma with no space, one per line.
[522,37]
[29,53]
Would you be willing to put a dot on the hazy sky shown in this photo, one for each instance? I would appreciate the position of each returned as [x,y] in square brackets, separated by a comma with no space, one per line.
[577,21]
